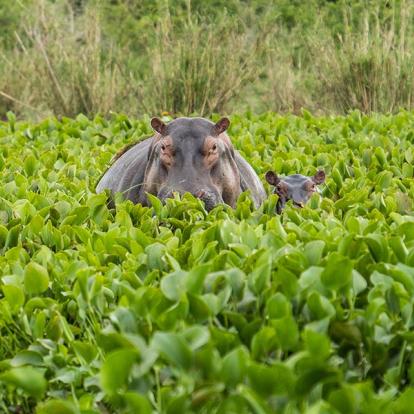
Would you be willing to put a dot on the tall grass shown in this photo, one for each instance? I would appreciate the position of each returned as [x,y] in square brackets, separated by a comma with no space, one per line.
[66,66]
[61,64]
[200,67]
[371,69]
[67,61]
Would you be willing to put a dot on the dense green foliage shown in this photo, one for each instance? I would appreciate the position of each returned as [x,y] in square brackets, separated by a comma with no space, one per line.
[171,309]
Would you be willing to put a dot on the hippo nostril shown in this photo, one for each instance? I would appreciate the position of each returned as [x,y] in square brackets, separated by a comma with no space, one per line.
[200,194]
[209,198]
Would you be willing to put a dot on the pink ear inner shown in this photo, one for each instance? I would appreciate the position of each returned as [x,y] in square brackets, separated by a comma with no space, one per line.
[158,125]
[222,125]
[319,177]
[272,178]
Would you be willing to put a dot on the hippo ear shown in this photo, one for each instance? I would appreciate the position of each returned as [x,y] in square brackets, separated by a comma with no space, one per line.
[158,125]
[319,177]
[272,178]
[222,125]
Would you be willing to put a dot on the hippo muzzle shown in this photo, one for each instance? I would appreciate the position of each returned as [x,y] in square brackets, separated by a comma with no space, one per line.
[210,197]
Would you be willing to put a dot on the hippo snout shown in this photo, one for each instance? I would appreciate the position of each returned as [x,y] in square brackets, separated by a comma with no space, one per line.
[165,193]
[210,198]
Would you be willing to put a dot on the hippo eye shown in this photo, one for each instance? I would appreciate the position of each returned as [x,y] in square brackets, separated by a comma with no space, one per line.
[162,147]
[213,148]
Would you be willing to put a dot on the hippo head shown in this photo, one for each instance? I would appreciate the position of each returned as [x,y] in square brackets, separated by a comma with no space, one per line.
[296,187]
[193,155]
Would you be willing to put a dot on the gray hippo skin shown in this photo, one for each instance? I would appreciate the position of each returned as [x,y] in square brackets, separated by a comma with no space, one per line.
[297,187]
[191,155]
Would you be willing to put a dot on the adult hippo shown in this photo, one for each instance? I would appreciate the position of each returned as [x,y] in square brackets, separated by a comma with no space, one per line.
[191,155]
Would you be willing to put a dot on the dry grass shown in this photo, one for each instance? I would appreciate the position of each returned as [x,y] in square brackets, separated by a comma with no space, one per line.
[199,68]
[63,64]
[60,64]
[371,69]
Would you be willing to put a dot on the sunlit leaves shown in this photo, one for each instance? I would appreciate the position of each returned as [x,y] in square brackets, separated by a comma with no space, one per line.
[337,272]
[28,379]
[115,370]
[170,308]
[36,278]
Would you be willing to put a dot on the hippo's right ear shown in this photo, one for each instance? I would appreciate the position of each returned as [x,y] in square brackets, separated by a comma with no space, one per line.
[221,125]
[319,177]
[158,126]
[272,178]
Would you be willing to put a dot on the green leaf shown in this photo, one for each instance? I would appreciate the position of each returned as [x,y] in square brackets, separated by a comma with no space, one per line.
[235,366]
[404,403]
[337,272]
[30,165]
[313,376]
[359,284]
[257,405]
[287,332]
[36,278]
[196,277]
[384,179]
[264,342]
[399,248]
[276,379]
[319,306]
[345,331]
[278,306]
[173,286]
[344,400]
[115,370]
[15,296]
[336,176]
[313,251]
[173,348]
[311,278]
[259,278]
[13,237]
[27,358]
[84,350]
[317,344]
[155,253]
[57,407]
[137,403]
[3,235]
[155,203]
[199,308]
[196,336]
[377,246]
[407,230]
[29,379]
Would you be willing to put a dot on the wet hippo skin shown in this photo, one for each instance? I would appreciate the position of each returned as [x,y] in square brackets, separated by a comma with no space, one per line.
[191,155]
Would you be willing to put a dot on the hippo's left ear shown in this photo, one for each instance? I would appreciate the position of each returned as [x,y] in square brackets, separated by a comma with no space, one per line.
[158,125]
[221,125]
[319,177]
[272,178]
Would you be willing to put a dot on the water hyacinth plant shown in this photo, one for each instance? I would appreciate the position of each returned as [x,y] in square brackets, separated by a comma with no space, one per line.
[171,308]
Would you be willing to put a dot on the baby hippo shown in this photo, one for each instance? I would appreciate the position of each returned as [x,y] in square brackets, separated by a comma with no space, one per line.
[296,187]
